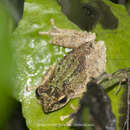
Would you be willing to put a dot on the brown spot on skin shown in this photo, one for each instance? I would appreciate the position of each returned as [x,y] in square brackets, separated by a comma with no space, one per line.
[44,89]
[56,93]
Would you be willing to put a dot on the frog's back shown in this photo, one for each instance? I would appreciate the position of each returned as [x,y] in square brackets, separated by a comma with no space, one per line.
[71,70]
[76,68]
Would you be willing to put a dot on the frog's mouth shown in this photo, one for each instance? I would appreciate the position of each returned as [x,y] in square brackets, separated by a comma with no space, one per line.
[56,105]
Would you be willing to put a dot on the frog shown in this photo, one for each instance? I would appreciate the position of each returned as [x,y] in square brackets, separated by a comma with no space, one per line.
[67,79]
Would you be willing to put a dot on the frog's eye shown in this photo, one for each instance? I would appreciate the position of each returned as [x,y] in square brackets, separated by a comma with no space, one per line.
[62,99]
[37,93]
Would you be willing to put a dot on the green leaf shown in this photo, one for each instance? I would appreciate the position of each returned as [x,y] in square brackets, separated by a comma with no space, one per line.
[6,69]
[117,44]
[34,55]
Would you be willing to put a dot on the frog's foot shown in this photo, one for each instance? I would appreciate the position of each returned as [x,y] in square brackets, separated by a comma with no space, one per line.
[102,77]
[55,31]
[62,118]
[69,123]
[123,78]
[53,25]
[118,88]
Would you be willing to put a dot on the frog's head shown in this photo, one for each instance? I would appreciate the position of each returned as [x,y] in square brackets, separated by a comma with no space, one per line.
[51,98]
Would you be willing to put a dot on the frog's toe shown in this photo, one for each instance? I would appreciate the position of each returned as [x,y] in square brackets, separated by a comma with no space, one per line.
[69,123]
[62,118]
[73,107]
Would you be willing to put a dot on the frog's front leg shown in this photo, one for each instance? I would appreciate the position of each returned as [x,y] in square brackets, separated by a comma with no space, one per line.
[70,116]
[68,38]
[45,78]
[48,74]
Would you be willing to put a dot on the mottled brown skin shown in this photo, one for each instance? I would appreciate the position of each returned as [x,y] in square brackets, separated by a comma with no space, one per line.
[69,77]
[68,74]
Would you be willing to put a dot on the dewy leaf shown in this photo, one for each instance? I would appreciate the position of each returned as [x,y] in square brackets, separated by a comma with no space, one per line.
[34,55]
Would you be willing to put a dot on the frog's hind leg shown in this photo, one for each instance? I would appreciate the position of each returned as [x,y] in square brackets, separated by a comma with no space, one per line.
[68,38]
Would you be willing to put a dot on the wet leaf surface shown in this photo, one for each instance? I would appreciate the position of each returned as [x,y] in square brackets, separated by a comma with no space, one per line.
[34,55]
